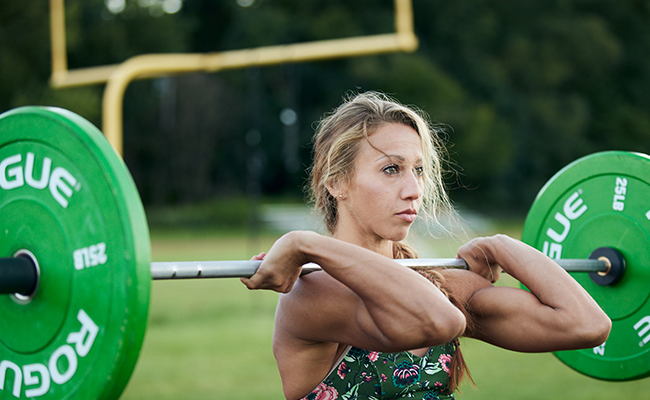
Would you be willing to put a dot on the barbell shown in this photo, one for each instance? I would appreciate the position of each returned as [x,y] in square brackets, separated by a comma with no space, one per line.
[75,272]
[19,275]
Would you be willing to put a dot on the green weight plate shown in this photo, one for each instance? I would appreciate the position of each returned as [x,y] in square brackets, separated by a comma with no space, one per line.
[603,200]
[68,199]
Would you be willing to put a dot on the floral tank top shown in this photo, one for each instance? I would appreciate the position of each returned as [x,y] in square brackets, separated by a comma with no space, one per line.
[368,375]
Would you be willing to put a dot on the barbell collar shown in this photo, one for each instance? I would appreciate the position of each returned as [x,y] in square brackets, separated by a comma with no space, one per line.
[615,263]
[18,275]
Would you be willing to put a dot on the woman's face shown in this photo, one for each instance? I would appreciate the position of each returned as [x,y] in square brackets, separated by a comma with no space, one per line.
[382,199]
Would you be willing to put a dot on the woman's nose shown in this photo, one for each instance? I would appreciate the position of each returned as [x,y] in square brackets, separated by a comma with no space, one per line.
[412,186]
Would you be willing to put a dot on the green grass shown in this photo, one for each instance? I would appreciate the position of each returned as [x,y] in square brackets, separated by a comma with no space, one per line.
[211,339]
[207,340]
[505,375]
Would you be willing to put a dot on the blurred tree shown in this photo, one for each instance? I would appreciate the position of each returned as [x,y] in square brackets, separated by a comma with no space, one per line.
[25,62]
[548,72]
[524,86]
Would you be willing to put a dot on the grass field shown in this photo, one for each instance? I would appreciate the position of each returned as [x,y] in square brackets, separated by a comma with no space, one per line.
[211,339]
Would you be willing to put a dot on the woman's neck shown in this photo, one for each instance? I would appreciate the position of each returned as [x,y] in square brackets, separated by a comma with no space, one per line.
[378,245]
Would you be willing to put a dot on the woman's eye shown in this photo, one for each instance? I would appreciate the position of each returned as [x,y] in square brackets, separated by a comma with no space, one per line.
[391,169]
[419,171]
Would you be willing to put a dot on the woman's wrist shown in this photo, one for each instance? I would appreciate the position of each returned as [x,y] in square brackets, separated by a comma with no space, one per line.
[304,244]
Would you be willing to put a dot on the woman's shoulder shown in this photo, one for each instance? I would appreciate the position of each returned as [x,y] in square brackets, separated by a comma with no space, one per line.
[304,320]
[315,285]
[314,296]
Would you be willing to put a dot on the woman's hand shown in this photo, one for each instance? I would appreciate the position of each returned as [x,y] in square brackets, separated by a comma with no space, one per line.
[259,257]
[280,268]
[478,254]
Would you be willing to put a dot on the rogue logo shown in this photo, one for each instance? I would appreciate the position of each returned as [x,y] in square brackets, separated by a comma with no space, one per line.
[13,175]
[43,375]
[573,209]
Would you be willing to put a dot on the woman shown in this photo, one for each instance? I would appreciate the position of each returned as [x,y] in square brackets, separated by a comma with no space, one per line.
[368,328]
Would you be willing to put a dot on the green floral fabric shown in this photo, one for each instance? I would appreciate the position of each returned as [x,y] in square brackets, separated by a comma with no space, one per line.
[369,375]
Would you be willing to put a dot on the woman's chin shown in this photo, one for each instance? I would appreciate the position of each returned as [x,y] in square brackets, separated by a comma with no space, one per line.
[400,235]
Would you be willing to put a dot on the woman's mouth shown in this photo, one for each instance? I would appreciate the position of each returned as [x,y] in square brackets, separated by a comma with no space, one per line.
[408,215]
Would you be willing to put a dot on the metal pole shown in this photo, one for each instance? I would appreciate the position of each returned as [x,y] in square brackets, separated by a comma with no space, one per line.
[238,269]
[19,274]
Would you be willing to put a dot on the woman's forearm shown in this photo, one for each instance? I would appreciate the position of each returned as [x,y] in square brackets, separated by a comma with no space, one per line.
[552,286]
[549,282]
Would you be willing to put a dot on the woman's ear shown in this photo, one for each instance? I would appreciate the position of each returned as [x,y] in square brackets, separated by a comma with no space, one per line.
[336,189]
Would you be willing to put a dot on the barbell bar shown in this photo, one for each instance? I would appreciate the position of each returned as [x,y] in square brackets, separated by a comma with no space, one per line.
[68,202]
[19,275]
[236,269]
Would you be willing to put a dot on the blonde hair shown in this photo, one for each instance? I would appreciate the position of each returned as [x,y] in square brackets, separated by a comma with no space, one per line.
[336,144]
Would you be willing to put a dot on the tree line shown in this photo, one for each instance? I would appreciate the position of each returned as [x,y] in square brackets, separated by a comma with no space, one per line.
[523,87]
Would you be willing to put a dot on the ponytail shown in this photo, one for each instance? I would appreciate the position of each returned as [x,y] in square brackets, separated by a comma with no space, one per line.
[403,250]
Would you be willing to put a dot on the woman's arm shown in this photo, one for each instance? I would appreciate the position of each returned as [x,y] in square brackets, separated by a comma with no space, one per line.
[371,302]
[557,313]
